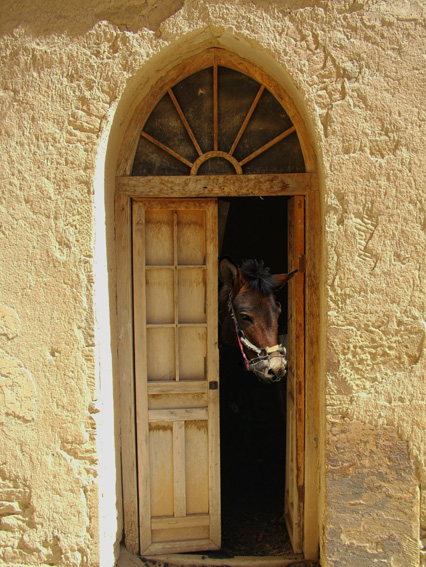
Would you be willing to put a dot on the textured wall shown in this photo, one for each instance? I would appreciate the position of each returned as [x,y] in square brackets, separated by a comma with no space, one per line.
[373,498]
[357,70]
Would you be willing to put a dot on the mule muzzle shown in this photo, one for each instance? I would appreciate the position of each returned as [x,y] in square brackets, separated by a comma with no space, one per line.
[271,367]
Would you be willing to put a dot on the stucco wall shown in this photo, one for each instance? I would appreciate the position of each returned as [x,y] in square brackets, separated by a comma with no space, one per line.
[70,75]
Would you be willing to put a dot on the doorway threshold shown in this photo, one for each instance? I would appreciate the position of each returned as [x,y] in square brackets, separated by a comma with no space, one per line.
[203,560]
[210,559]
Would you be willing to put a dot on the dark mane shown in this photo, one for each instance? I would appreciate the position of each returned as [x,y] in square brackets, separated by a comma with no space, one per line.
[258,276]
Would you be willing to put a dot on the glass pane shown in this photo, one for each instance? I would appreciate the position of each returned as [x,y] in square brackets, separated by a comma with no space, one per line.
[159,238]
[192,353]
[268,121]
[152,160]
[160,345]
[165,125]
[191,237]
[195,97]
[236,95]
[284,157]
[192,296]
[159,296]
[216,166]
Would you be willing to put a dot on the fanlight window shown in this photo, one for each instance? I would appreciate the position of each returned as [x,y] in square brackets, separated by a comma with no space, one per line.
[250,131]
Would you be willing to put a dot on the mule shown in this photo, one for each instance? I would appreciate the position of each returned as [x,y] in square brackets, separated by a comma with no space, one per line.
[248,316]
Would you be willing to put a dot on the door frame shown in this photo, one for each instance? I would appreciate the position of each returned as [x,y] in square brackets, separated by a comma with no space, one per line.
[302,184]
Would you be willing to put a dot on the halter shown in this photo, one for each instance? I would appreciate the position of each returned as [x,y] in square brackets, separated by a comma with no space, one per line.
[257,364]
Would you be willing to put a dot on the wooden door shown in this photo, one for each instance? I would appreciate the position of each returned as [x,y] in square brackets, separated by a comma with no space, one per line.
[176,374]
[294,489]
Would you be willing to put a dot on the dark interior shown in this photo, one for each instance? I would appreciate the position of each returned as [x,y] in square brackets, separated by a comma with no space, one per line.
[252,412]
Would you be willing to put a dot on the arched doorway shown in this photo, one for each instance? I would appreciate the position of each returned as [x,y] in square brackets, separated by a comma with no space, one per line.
[216,128]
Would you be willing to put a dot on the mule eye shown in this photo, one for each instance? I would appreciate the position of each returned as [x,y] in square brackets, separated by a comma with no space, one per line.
[245,317]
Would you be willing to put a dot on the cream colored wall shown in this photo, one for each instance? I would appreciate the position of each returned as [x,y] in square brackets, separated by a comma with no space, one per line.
[71,75]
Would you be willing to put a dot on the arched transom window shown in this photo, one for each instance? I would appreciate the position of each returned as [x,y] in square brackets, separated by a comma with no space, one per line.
[218,121]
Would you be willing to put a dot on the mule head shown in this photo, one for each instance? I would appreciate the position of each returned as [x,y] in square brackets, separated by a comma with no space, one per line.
[255,310]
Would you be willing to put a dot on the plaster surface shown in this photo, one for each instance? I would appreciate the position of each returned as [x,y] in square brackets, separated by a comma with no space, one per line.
[71,76]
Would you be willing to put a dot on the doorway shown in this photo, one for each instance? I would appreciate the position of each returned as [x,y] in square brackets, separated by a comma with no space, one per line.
[172,260]
[252,413]
[238,160]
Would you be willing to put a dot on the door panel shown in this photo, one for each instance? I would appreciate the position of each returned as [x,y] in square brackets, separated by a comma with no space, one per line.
[176,359]
[294,490]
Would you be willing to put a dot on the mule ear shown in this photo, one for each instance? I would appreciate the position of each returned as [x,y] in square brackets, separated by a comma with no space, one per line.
[282,279]
[229,272]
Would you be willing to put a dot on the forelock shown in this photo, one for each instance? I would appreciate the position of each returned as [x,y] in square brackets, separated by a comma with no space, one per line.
[258,276]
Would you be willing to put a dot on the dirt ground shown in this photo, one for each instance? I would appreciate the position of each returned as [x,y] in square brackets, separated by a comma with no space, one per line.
[252,513]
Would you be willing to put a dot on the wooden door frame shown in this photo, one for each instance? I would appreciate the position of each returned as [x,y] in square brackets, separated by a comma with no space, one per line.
[128,188]
[301,184]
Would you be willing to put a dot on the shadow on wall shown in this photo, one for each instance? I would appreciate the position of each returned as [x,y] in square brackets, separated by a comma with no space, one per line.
[57,17]
[51,18]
